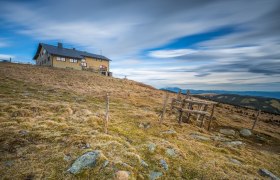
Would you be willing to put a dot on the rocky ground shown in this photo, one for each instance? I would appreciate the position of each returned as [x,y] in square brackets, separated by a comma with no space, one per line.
[52,127]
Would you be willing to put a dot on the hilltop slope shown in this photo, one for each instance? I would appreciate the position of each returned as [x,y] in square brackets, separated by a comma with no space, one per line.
[49,117]
[269,105]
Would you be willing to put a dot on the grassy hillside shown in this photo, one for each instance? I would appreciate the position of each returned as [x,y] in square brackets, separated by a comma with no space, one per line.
[264,104]
[49,117]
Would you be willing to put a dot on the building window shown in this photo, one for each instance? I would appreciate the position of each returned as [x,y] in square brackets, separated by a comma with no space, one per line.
[84,64]
[49,58]
[60,58]
[73,60]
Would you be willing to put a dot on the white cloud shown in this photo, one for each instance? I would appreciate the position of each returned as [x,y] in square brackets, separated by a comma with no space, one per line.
[6,56]
[171,53]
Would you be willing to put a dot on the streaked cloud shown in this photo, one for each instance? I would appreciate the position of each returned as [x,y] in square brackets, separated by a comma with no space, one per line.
[171,53]
[160,42]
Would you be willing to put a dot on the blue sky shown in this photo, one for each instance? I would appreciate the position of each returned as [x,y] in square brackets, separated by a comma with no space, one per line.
[194,44]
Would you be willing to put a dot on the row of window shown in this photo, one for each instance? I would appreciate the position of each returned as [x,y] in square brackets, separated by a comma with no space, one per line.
[63,59]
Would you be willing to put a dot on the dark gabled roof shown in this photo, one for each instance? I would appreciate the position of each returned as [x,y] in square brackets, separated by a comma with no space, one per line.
[65,52]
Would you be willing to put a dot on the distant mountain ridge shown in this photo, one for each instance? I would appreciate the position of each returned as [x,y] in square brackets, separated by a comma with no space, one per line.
[267,104]
[274,94]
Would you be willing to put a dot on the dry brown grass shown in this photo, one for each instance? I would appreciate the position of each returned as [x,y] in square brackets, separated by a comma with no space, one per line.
[50,114]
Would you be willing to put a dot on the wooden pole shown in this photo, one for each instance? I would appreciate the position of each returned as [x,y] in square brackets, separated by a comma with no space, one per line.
[164,107]
[179,94]
[107,113]
[211,117]
[255,122]
[188,94]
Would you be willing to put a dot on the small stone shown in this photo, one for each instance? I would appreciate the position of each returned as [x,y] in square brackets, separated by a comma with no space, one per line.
[235,161]
[171,152]
[8,163]
[180,169]
[233,143]
[164,164]
[105,164]
[141,125]
[88,159]
[67,157]
[143,163]
[265,172]
[144,125]
[229,132]
[122,175]
[155,175]
[169,132]
[199,137]
[23,132]
[152,147]
[245,132]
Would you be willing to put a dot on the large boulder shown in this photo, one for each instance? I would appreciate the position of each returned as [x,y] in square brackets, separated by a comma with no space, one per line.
[265,172]
[228,132]
[87,160]
[245,132]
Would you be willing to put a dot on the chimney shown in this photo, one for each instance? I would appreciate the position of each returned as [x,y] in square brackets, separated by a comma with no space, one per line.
[59,45]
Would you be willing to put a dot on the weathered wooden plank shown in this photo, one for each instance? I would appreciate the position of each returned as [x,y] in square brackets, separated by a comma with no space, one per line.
[255,122]
[199,102]
[192,111]
[211,117]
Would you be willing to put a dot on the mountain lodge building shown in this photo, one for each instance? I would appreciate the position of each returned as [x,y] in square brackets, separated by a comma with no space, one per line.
[60,57]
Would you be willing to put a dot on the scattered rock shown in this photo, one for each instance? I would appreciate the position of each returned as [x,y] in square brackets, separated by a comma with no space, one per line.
[235,161]
[122,175]
[245,132]
[233,143]
[262,139]
[9,163]
[152,147]
[199,137]
[228,132]
[143,163]
[145,125]
[23,132]
[87,160]
[171,152]
[169,132]
[105,164]
[218,138]
[67,157]
[155,175]
[265,172]
[164,164]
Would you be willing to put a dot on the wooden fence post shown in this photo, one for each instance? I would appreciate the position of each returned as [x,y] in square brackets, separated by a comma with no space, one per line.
[107,113]
[164,107]
[211,117]
[179,94]
[255,122]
